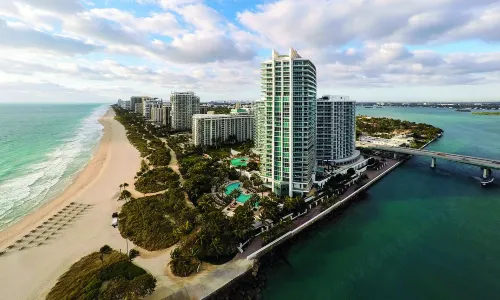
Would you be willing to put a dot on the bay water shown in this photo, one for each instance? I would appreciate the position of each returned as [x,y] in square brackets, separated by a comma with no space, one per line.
[419,234]
[42,149]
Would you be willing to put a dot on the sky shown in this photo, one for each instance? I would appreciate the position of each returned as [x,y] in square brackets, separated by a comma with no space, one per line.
[370,50]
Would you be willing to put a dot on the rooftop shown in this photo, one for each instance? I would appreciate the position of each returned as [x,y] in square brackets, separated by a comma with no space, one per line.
[335,98]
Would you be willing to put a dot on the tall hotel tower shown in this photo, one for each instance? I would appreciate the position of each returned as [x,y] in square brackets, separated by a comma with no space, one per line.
[286,123]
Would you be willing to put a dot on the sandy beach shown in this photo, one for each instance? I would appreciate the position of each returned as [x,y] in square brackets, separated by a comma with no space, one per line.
[40,252]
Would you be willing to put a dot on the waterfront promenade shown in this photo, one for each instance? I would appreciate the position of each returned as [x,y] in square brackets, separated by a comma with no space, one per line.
[256,248]
[244,261]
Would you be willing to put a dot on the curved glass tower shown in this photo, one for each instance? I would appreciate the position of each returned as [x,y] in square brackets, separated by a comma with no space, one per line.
[286,132]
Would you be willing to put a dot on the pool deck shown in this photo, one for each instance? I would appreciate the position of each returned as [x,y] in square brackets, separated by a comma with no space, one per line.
[228,210]
[239,162]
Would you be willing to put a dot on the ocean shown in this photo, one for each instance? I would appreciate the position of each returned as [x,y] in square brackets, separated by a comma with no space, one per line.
[419,234]
[42,148]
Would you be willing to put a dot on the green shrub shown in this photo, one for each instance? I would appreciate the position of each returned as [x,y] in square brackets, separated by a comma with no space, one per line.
[133,254]
[112,278]
[156,222]
[157,180]
[182,263]
[124,268]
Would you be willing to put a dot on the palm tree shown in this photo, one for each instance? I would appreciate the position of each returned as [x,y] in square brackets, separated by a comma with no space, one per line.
[125,185]
[288,203]
[104,250]
[121,186]
[125,195]
[235,194]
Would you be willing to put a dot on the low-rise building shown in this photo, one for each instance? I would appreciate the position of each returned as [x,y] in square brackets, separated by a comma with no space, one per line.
[394,142]
[210,129]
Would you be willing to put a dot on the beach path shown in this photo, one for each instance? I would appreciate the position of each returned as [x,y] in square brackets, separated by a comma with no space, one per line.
[45,251]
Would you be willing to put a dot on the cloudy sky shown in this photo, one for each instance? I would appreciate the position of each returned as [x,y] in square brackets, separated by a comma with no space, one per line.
[372,50]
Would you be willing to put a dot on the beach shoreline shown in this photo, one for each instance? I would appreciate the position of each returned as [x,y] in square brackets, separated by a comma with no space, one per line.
[39,248]
[79,182]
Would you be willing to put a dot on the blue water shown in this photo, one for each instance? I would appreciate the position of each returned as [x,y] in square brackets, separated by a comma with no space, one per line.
[42,148]
[419,234]
[231,187]
[242,198]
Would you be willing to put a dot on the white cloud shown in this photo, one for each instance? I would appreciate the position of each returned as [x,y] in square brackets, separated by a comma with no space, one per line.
[186,44]
[336,22]
[164,23]
[18,36]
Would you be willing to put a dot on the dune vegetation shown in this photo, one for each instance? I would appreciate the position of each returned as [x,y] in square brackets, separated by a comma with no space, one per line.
[105,275]
[157,222]
[157,180]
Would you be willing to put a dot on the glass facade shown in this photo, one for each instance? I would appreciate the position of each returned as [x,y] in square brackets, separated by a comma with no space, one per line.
[336,129]
[286,123]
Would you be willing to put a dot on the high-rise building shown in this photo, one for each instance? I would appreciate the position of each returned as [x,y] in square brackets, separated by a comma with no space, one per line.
[148,104]
[204,109]
[125,104]
[138,108]
[133,101]
[167,119]
[287,123]
[156,113]
[336,131]
[138,100]
[209,129]
[184,106]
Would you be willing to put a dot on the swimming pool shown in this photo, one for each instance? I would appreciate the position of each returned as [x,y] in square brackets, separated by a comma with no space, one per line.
[236,185]
[240,161]
[231,187]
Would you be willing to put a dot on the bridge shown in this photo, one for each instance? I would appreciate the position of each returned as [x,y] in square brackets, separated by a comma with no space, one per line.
[485,164]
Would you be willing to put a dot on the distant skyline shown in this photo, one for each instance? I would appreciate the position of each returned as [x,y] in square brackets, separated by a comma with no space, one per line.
[372,50]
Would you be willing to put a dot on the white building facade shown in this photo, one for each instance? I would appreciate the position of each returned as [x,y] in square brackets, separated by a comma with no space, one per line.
[148,105]
[336,131]
[183,106]
[287,123]
[134,100]
[125,104]
[207,129]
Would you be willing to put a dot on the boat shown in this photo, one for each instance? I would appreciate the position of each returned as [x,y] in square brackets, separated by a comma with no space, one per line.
[463,110]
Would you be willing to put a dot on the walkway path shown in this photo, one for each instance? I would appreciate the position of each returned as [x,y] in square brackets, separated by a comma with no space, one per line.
[174,164]
[257,243]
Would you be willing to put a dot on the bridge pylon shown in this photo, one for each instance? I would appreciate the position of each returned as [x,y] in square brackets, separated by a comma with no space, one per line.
[486,173]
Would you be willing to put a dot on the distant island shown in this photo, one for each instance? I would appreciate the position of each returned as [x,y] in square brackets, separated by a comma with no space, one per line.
[487,113]
[393,132]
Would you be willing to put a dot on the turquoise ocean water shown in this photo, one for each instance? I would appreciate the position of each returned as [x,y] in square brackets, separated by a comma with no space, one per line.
[42,148]
[420,234]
